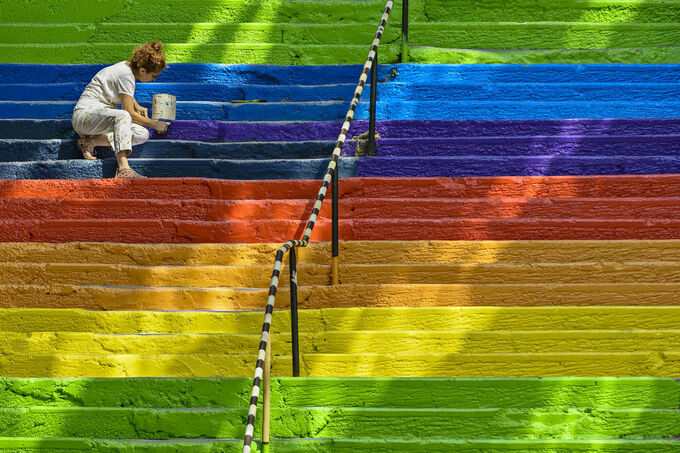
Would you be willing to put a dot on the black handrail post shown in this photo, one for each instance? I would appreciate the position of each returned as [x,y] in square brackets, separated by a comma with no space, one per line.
[294,312]
[404,31]
[374,93]
[335,266]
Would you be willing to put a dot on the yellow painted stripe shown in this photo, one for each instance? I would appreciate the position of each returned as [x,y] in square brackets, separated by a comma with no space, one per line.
[353,252]
[341,342]
[466,319]
[651,364]
[347,295]
[311,274]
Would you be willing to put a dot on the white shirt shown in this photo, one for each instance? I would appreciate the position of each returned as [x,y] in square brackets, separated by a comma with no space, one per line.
[106,87]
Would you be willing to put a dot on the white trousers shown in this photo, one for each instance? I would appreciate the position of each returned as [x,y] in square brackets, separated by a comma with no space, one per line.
[115,124]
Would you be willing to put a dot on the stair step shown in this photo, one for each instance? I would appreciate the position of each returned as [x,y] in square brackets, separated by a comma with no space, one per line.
[612,364]
[664,364]
[574,33]
[95,297]
[233,131]
[348,209]
[254,231]
[482,253]
[463,393]
[348,342]
[401,109]
[178,168]
[20,150]
[417,74]
[123,423]
[231,11]
[405,167]
[631,186]
[212,32]
[563,10]
[323,90]
[471,319]
[231,53]
[628,55]
[51,445]
[259,276]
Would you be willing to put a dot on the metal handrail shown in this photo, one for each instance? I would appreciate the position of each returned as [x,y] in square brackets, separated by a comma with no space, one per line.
[263,361]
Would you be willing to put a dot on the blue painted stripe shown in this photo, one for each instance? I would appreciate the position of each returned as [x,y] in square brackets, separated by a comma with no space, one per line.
[645,145]
[387,91]
[221,131]
[176,168]
[336,110]
[372,166]
[407,73]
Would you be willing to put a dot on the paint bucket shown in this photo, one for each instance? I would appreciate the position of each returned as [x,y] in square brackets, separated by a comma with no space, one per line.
[164,107]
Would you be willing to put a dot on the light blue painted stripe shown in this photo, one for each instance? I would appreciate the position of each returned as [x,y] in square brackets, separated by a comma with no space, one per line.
[387,91]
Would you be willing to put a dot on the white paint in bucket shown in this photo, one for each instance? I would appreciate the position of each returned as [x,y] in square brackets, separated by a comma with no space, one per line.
[164,107]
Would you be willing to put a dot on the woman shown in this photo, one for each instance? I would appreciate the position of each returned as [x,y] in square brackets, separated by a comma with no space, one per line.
[97,119]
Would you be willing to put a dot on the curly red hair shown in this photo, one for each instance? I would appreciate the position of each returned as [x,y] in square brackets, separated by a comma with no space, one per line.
[149,56]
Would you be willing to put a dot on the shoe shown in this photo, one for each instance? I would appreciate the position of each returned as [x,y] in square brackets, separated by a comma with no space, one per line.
[85,147]
[128,173]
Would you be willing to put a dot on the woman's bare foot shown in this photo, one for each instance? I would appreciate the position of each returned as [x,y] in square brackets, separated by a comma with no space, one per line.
[86,146]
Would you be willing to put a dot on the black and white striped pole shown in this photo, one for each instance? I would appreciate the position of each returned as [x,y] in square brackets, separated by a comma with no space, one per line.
[265,337]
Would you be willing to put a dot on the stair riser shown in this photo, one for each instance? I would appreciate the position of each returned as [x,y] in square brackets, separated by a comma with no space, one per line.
[219,131]
[654,393]
[398,109]
[344,422]
[526,295]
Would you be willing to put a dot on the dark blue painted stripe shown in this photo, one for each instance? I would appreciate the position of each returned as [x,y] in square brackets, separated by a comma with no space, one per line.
[175,168]
[516,166]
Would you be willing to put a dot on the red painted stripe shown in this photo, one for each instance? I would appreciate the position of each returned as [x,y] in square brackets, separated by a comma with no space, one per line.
[483,187]
[168,231]
[350,208]
[372,209]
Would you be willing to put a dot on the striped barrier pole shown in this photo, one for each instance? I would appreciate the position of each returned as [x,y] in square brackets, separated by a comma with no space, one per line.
[273,286]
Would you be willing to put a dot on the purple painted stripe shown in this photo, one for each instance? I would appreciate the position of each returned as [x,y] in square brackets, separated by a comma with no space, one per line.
[575,145]
[299,131]
[515,166]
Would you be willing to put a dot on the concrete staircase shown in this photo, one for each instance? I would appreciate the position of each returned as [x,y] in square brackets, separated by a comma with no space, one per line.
[494,250]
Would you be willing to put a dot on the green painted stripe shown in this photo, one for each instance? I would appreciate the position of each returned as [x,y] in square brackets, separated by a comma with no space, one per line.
[357,423]
[558,35]
[57,445]
[347,392]
[203,33]
[69,11]
[655,55]
[277,54]
[553,10]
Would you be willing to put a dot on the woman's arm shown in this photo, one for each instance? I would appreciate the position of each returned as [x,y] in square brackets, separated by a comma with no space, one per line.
[129,103]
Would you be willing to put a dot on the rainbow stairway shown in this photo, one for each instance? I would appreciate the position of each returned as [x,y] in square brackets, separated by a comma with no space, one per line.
[509,275]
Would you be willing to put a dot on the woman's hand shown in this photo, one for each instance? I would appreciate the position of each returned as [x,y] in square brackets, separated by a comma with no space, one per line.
[142,110]
[160,126]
